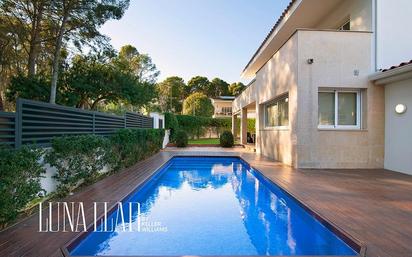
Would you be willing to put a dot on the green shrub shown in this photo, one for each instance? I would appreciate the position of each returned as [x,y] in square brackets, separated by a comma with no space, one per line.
[132,145]
[80,158]
[34,87]
[226,139]
[198,104]
[77,158]
[221,124]
[194,126]
[172,124]
[20,173]
[181,139]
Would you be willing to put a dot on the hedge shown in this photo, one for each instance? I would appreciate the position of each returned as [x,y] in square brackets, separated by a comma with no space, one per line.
[172,124]
[251,126]
[20,173]
[79,159]
[132,145]
[196,126]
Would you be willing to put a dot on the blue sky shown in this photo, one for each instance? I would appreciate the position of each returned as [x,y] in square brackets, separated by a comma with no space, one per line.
[212,38]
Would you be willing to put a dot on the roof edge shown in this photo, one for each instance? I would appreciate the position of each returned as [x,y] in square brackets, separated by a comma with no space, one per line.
[395,73]
[277,24]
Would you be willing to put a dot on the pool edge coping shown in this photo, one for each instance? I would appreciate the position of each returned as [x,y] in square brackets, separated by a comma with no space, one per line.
[350,240]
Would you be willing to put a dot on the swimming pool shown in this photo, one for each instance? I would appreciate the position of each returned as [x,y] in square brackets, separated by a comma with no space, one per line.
[212,206]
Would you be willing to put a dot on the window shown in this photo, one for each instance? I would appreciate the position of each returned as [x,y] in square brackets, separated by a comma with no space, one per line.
[277,112]
[227,110]
[345,26]
[339,109]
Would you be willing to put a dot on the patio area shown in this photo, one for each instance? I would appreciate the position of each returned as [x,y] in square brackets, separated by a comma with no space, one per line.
[372,206]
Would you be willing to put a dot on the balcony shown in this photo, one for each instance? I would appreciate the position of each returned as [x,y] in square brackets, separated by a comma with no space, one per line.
[247,97]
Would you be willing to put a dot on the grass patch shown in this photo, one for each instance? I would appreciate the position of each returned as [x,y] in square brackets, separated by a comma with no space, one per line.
[204,141]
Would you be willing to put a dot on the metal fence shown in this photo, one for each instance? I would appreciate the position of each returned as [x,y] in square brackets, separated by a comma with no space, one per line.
[38,122]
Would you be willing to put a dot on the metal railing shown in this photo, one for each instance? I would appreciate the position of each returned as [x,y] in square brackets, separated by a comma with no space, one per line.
[39,122]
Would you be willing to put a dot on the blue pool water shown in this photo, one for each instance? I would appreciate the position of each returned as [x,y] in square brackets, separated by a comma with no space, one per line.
[212,206]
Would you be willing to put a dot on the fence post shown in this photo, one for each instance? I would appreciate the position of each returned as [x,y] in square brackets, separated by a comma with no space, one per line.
[18,123]
[94,122]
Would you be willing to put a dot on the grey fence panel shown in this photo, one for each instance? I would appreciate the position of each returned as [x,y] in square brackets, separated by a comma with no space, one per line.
[135,120]
[7,128]
[39,122]
[106,124]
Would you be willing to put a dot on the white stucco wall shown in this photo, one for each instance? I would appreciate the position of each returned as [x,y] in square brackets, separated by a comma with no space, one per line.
[336,57]
[398,127]
[341,60]
[247,97]
[277,77]
[394,23]
[393,19]
[359,12]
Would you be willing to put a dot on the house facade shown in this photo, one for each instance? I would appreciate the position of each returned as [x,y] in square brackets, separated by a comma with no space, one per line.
[316,106]
[223,106]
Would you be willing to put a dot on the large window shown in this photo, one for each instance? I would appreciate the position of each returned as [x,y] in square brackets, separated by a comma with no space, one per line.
[277,112]
[339,109]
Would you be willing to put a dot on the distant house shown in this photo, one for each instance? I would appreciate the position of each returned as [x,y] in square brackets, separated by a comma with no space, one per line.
[223,106]
[317,86]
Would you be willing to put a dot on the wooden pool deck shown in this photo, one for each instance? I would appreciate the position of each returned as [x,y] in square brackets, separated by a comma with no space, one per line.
[372,206]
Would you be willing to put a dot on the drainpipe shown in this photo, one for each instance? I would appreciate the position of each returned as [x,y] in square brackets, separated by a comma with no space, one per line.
[375,31]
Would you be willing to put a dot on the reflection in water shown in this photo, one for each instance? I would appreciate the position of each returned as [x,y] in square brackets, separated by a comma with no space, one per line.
[214,206]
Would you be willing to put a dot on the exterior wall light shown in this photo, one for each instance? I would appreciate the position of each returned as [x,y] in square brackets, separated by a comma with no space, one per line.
[400,108]
[310,61]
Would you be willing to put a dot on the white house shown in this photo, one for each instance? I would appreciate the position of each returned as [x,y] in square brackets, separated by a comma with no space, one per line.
[318,90]
[222,106]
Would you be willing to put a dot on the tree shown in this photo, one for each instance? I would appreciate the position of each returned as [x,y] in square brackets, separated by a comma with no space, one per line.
[221,87]
[200,85]
[141,64]
[198,104]
[90,81]
[29,87]
[27,22]
[236,88]
[170,93]
[79,21]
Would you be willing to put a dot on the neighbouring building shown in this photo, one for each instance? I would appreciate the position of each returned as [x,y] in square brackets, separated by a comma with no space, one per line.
[397,83]
[223,106]
[158,120]
[318,91]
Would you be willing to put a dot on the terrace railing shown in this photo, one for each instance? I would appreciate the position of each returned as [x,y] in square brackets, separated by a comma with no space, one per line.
[38,122]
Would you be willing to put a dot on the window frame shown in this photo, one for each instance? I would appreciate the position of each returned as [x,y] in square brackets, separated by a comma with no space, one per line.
[347,22]
[336,125]
[271,102]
